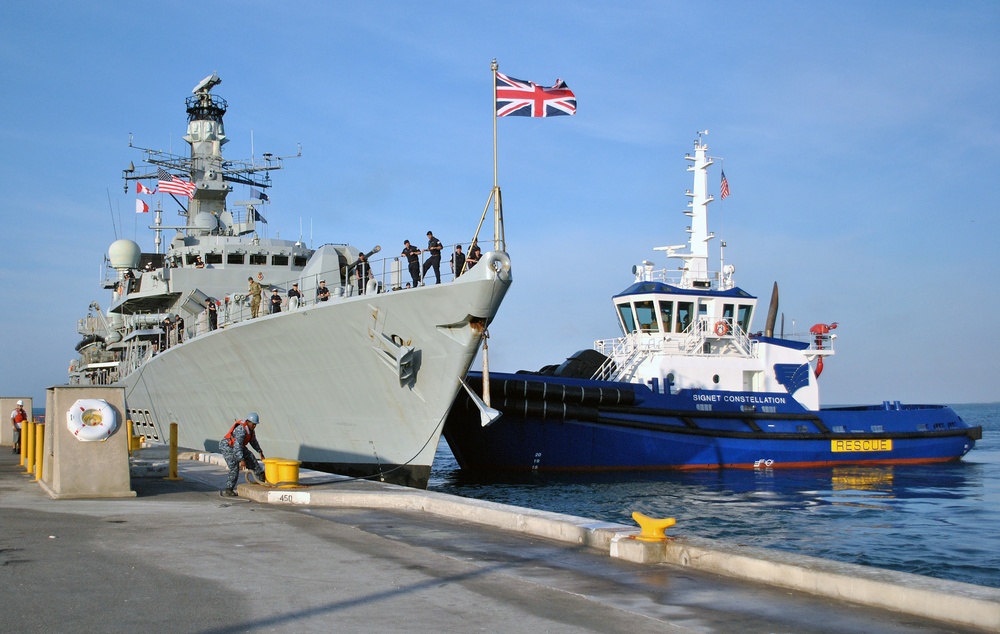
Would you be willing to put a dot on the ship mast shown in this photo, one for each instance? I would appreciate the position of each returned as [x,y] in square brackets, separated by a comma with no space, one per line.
[206,169]
[695,263]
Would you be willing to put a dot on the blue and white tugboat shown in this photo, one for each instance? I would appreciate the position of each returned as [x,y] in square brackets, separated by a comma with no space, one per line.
[688,385]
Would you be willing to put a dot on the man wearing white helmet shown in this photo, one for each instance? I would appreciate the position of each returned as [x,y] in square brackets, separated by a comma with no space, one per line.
[234,449]
[17,417]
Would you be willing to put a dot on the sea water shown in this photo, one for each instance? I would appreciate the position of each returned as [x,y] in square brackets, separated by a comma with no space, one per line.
[937,520]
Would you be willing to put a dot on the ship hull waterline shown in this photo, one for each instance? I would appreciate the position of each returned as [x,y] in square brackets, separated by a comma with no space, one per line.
[664,432]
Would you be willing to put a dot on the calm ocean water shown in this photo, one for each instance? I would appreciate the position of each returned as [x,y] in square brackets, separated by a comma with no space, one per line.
[934,520]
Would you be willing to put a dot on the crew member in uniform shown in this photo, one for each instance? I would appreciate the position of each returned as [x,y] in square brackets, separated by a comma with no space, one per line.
[234,449]
[254,290]
[412,254]
[434,247]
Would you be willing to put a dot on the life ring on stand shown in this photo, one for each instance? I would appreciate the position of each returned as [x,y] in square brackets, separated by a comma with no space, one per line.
[91,419]
[721,328]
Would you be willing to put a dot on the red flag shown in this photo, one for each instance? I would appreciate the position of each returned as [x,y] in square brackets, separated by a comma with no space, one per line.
[142,189]
[141,207]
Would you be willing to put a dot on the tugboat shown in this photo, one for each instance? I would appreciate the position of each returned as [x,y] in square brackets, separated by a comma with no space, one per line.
[353,376]
[689,386]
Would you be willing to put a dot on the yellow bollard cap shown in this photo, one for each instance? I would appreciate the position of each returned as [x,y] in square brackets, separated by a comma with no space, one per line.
[653,529]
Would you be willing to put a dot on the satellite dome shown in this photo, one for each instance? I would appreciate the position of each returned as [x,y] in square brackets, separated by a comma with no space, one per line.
[206,222]
[124,254]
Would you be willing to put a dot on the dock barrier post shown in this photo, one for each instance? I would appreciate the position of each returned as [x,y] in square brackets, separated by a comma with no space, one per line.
[39,449]
[24,447]
[28,429]
[172,473]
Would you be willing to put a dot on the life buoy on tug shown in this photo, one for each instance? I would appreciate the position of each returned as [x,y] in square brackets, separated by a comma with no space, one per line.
[721,328]
[91,419]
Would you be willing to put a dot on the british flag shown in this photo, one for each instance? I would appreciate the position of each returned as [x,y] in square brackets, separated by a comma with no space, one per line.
[519,98]
[171,184]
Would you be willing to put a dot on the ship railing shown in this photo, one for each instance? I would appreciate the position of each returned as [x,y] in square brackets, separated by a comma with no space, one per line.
[389,274]
[624,355]
[716,280]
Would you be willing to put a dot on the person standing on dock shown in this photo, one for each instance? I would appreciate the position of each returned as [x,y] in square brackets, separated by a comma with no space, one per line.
[17,417]
[234,449]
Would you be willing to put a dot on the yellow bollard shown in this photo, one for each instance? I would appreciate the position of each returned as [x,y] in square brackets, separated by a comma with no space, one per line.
[271,470]
[288,473]
[128,425]
[24,449]
[39,449]
[172,473]
[28,438]
[652,528]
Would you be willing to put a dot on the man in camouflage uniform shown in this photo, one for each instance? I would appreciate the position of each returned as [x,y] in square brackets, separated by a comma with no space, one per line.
[254,290]
[234,449]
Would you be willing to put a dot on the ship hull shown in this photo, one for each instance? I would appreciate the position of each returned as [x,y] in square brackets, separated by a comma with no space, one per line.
[552,424]
[359,386]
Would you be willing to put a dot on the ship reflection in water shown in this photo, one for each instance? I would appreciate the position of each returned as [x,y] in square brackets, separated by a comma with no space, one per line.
[937,520]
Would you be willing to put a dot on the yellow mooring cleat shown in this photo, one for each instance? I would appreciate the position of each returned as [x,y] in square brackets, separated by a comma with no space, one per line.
[652,528]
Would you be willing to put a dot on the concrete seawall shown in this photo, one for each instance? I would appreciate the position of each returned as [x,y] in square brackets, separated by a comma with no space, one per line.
[946,601]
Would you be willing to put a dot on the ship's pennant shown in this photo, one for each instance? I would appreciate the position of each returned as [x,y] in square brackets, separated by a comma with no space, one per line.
[519,98]
[792,376]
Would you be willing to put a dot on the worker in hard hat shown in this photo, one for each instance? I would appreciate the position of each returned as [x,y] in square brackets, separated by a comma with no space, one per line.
[238,457]
[17,417]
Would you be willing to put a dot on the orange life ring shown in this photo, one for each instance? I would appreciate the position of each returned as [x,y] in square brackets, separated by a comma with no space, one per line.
[721,328]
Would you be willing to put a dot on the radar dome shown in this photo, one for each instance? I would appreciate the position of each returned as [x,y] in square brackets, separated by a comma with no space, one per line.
[124,254]
[206,222]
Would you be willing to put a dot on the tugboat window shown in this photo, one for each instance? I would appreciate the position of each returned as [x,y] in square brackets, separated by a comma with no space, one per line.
[299,260]
[646,316]
[235,258]
[667,315]
[727,313]
[745,313]
[279,260]
[685,312]
[258,259]
[213,258]
[628,320]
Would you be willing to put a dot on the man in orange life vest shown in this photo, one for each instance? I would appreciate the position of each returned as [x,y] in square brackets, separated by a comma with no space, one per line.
[17,417]
[234,450]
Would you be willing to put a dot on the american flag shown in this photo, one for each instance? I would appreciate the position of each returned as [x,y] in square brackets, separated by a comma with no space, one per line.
[724,191]
[173,185]
[519,98]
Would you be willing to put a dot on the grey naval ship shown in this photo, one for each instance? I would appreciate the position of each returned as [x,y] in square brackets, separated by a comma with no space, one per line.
[359,384]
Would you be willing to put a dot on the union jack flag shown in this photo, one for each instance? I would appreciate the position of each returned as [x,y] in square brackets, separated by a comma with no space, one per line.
[519,98]
[173,185]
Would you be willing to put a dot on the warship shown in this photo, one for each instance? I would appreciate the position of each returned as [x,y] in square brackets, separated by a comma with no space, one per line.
[354,379]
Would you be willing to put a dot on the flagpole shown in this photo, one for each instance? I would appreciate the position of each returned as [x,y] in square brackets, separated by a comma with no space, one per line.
[496,183]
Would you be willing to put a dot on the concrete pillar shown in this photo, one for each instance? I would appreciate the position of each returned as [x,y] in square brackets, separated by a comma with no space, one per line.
[75,469]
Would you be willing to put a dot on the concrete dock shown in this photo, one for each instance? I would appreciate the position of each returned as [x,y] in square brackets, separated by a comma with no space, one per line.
[351,555]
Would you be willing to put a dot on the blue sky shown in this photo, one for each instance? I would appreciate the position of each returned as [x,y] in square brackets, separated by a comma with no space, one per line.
[860,139]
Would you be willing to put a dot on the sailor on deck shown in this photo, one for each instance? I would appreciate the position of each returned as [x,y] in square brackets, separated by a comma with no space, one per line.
[234,450]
